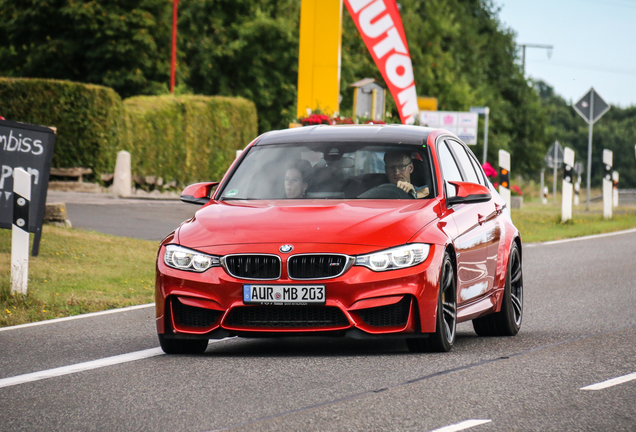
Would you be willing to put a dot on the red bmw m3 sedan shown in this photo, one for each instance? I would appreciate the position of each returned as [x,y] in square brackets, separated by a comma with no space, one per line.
[362,231]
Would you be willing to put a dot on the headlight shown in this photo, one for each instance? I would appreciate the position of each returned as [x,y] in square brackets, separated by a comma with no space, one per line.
[395,258]
[186,259]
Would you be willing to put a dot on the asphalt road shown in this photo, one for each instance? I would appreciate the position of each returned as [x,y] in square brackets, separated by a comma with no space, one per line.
[148,219]
[579,329]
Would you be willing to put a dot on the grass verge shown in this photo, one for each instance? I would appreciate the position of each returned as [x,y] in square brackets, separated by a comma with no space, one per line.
[539,223]
[77,272]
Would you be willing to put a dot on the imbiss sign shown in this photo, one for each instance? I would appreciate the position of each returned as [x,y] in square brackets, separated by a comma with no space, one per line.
[28,147]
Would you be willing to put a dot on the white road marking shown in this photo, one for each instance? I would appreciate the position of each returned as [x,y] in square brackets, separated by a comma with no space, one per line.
[80,367]
[74,317]
[629,231]
[467,424]
[611,382]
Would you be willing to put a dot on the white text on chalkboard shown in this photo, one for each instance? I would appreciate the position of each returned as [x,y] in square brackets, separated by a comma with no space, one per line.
[12,143]
[7,172]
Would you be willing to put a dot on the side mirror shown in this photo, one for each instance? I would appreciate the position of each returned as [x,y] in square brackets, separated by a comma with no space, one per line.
[198,193]
[469,193]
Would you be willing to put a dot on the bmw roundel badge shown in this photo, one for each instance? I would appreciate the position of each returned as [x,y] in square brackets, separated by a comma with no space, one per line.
[286,248]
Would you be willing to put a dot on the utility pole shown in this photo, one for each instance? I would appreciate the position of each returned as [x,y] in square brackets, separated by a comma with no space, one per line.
[523,52]
[173,57]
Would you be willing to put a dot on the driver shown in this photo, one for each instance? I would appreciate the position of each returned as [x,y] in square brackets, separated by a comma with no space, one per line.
[398,165]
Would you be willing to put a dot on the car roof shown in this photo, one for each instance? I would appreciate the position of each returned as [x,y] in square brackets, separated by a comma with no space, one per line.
[384,134]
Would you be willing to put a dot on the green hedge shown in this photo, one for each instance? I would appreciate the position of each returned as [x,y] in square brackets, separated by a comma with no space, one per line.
[87,118]
[186,138]
[183,138]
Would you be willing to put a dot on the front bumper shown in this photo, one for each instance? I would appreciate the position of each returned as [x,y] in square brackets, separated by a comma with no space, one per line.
[359,303]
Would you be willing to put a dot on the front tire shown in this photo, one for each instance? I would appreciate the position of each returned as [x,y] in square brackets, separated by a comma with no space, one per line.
[182,346]
[445,329]
[507,321]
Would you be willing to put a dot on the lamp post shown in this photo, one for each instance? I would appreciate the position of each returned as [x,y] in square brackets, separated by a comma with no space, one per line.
[523,52]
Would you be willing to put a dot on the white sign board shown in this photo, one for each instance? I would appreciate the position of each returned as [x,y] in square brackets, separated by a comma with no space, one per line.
[504,159]
[568,156]
[608,157]
[462,124]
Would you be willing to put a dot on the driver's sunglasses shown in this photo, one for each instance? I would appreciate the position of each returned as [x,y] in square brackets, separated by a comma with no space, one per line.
[398,168]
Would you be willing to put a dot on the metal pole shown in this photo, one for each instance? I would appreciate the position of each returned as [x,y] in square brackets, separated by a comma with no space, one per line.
[554,173]
[486,134]
[541,190]
[589,151]
[523,61]
[173,60]
[523,53]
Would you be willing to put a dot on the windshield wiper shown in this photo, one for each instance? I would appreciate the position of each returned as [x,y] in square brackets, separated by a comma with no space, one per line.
[235,199]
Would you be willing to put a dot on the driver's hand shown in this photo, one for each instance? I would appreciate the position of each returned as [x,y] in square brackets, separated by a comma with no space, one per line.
[406,186]
[423,193]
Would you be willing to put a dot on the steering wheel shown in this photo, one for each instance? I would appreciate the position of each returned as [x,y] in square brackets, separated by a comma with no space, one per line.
[386,191]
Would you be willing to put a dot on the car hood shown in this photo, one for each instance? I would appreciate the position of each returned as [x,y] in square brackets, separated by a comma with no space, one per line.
[364,222]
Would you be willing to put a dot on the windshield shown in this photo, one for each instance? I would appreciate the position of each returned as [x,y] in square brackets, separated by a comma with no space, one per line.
[331,170]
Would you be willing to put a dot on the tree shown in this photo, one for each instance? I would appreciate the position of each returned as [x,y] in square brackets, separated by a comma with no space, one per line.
[615,131]
[464,57]
[244,48]
[461,54]
[123,44]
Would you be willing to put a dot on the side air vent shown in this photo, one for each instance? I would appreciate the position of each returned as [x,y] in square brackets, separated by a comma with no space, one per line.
[190,316]
[387,316]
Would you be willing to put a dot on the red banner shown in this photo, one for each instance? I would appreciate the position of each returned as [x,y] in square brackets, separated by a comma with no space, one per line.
[380,25]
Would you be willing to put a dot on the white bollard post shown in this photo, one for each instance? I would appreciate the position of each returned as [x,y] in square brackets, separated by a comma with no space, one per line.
[615,188]
[607,183]
[542,181]
[544,197]
[20,231]
[504,165]
[123,176]
[566,201]
[577,191]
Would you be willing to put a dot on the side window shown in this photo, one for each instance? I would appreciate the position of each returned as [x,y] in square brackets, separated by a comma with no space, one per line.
[480,171]
[450,170]
[464,161]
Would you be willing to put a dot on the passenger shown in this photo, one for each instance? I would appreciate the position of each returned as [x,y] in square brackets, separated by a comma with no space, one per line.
[398,165]
[296,178]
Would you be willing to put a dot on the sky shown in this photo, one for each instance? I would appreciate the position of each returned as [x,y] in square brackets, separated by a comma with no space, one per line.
[594,45]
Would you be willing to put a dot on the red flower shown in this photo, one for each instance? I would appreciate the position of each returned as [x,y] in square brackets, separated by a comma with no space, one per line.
[489,170]
[516,190]
[343,120]
[315,119]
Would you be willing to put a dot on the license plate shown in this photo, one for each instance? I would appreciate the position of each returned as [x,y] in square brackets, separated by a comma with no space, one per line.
[284,294]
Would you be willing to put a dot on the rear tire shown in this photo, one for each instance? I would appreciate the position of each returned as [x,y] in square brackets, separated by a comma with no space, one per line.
[444,337]
[507,321]
[182,346]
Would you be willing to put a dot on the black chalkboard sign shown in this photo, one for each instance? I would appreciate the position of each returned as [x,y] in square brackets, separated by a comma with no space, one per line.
[29,147]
